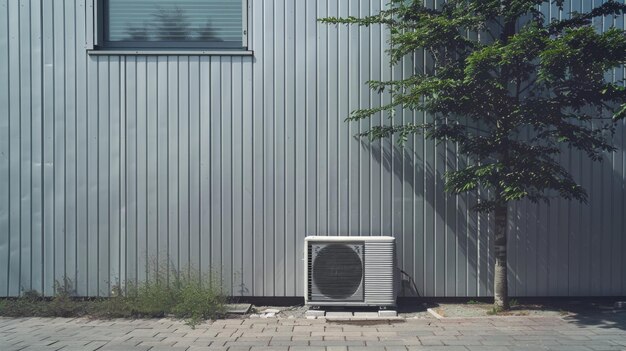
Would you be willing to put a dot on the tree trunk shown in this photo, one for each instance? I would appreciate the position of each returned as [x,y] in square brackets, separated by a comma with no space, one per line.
[500,282]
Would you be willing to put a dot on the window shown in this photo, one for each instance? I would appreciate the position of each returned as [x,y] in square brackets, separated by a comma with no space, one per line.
[183,24]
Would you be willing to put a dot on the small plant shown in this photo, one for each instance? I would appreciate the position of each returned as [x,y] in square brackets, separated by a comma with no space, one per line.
[494,311]
[62,304]
[199,301]
[32,295]
[152,299]
[473,302]
[25,305]
[514,303]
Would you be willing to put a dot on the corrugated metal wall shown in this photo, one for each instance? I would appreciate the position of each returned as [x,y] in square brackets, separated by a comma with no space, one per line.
[110,162]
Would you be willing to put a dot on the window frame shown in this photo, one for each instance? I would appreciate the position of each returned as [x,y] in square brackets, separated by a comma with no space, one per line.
[100,43]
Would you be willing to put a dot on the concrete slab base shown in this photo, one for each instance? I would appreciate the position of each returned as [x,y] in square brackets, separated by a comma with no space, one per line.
[238,308]
[315,313]
[343,315]
[339,314]
[387,313]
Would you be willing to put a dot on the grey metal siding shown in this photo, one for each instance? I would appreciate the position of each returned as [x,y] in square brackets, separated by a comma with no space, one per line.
[228,162]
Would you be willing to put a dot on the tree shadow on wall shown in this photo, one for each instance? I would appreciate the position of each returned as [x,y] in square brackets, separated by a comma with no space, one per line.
[467,229]
[535,262]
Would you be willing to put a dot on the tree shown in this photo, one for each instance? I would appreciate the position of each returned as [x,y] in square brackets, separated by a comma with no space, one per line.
[531,86]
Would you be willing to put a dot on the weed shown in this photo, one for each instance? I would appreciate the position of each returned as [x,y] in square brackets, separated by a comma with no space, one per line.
[193,297]
[513,303]
[28,304]
[473,302]
[198,301]
[62,304]
[494,311]
[32,295]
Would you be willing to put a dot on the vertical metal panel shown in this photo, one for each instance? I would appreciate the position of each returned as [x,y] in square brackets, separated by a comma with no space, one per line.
[141,175]
[82,138]
[279,153]
[25,148]
[130,173]
[173,200]
[226,174]
[183,107]
[48,243]
[71,147]
[258,90]
[247,273]
[5,142]
[151,175]
[204,247]
[215,165]
[36,83]
[115,209]
[269,123]
[237,176]
[194,162]
[58,115]
[111,164]
[14,151]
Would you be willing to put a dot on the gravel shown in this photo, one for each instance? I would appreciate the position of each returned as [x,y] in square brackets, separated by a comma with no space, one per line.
[486,310]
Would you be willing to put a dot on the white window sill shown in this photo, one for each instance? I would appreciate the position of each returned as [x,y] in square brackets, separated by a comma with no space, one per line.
[174,52]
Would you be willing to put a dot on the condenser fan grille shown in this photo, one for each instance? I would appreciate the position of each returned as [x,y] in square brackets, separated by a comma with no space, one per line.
[337,272]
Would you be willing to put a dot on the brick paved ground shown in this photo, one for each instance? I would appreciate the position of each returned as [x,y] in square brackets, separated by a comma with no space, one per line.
[519,333]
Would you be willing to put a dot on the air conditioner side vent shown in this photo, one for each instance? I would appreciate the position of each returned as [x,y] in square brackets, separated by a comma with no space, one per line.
[380,273]
[309,264]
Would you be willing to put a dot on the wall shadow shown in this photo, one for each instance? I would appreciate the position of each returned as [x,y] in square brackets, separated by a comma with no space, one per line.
[470,230]
[546,240]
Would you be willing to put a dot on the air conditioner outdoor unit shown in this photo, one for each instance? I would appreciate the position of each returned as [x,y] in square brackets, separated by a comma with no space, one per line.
[350,271]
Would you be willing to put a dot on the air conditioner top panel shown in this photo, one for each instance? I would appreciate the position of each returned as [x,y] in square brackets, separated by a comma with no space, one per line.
[350,238]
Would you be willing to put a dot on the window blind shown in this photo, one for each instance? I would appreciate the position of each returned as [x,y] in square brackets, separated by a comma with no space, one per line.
[175,21]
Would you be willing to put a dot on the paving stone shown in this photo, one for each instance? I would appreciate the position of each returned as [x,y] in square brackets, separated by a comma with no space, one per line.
[289,343]
[568,348]
[485,348]
[437,348]
[199,348]
[238,348]
[306,337]
[462,342]
[510,334]
[367,348]
[336,343]
[123,348]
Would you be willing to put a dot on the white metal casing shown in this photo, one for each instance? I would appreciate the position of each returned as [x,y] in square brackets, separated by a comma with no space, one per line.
[379,270]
